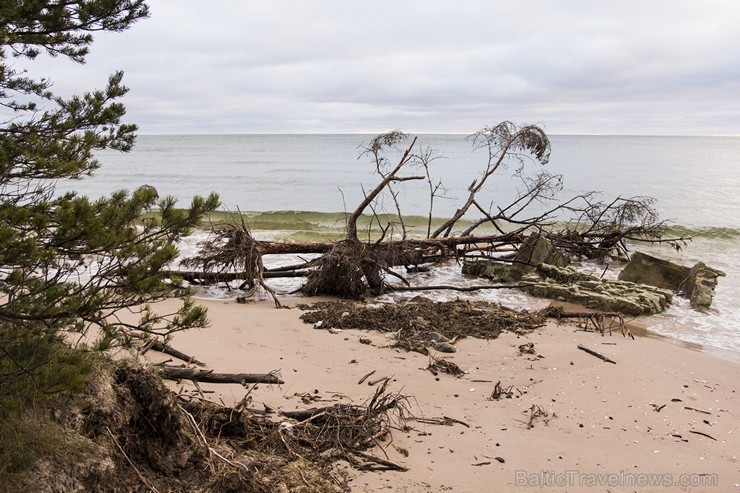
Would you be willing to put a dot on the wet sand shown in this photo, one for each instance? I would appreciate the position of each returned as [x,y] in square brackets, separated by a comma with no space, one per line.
[663,418]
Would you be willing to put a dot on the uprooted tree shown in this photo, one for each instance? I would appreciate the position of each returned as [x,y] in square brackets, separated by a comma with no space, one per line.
[355,267]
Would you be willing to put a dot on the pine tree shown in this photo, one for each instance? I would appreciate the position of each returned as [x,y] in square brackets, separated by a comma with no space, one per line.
[70,265]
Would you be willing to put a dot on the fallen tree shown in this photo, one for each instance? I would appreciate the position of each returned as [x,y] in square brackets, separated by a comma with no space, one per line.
[355,267]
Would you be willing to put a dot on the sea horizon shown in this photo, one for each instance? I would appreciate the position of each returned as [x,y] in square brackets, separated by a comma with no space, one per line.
[367,133]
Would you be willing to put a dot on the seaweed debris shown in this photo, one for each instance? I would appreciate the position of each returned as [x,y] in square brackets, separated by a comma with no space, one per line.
[413,322]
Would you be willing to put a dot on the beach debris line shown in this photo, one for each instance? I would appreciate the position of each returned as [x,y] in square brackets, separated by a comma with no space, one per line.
[412,323]
[365,262]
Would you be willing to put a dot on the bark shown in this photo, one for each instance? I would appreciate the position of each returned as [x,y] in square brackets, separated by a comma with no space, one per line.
[195,276]
[209,376]
[164,348]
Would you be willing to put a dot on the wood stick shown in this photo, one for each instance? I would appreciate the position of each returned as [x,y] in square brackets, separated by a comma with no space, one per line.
[457,421]
[164,348]
[305,414]
[702,434]
[697,410]
[392,466]
[594,353]
[202,276]
[209,376]
[365,377]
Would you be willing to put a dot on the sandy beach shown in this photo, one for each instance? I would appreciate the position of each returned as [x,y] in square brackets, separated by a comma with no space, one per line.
[665,417]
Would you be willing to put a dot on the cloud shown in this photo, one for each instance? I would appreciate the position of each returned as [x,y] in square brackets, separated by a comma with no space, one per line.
[658,67]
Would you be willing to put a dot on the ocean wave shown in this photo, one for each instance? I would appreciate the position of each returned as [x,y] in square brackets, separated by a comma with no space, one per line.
[709,232]
[299,220]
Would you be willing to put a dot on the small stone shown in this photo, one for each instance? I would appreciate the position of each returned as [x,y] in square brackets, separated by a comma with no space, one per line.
[437,337]
[444,347]
[500,459]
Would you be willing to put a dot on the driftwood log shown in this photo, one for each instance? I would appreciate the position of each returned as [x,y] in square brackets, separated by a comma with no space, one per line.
[209,376]
[214,277]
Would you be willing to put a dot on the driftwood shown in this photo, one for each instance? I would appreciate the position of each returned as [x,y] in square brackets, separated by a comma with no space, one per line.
[209,376]
[157,345]
[697,410]
[197,277]
[594,353]
[365,377]
[376,463]
[702,434]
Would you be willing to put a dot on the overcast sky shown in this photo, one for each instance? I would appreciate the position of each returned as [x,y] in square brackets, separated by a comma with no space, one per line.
[652,67]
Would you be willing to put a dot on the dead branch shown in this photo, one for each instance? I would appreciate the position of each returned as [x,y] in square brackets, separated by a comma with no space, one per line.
[166,349]
[232,248]
[386,464]
[388,178]
[365,377]
[198,277]
[697,410]
[499,391]
[209,376]
[702,434]
[534,413]
[594,353]
[499,141]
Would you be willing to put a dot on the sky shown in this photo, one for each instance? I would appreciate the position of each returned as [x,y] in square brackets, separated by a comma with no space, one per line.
[628,67]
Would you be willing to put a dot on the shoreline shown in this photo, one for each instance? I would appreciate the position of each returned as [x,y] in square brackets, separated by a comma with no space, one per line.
[597,418]
[638,328]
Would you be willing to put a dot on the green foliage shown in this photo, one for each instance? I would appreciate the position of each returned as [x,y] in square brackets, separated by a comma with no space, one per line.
[73,270]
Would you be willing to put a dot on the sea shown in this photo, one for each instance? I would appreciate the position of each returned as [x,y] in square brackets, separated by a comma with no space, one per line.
[300,187]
